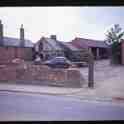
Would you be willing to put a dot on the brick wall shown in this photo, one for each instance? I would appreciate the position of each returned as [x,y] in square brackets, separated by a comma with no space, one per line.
[39,74]
[9,53]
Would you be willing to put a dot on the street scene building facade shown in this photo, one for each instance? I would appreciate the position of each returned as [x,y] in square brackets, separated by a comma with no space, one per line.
[99,49]
[47,48]
[11,48]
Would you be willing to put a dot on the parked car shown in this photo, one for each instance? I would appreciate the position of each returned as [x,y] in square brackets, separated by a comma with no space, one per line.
[58,62]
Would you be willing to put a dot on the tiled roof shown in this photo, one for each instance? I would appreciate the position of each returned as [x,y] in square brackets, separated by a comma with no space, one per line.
[50,44]
[68,45]
[9,41]
[84,43]
[53,44]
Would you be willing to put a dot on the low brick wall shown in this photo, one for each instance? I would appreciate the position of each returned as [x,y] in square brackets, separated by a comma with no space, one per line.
[39,74]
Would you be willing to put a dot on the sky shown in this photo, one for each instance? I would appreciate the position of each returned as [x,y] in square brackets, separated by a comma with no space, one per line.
[64,22]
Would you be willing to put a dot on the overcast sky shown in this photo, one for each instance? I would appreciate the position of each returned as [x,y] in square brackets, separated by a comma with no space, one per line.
[65,22]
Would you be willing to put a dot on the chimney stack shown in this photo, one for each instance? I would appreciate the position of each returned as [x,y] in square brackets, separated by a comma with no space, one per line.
[22,39]
[53,37]
[1,33]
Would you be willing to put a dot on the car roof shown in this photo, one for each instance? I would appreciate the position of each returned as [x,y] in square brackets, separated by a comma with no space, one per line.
[60,57]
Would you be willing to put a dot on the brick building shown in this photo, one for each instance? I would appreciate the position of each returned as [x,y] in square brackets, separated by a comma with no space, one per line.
[11,48]
[48,48]
[99,48]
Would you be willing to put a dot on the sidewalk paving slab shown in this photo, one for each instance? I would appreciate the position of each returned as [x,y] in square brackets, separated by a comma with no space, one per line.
[80,93]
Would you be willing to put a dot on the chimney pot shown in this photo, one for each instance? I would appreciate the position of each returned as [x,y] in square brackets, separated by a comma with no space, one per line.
[21,25]
[22,40]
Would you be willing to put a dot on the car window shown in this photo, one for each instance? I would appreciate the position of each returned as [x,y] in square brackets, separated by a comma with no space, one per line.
[59,59]
[55,59]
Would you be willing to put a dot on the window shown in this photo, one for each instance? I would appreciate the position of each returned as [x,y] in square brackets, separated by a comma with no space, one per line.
[40,46]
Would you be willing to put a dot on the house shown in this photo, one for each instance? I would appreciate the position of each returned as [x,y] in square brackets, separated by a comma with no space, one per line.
[97,47]
[11,48]
[47,48]
[72,52]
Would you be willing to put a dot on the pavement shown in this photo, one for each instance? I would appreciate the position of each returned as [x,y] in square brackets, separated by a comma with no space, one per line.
[81,93]
[50,90]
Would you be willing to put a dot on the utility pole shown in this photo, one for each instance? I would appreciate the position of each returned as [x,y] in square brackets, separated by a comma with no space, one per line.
[91,71]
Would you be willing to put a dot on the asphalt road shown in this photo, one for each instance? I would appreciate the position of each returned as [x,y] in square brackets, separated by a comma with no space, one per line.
[20,106]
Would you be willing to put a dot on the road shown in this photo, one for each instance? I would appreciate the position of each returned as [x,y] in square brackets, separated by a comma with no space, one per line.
[20,106]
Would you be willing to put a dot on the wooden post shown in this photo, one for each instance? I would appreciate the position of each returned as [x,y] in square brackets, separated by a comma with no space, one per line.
[91,71]
[97,53]
[90,49]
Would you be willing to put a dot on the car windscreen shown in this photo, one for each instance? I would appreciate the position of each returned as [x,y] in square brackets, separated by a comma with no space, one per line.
[60,60]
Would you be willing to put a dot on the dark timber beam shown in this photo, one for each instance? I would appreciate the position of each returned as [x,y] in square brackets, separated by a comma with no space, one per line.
[90,71]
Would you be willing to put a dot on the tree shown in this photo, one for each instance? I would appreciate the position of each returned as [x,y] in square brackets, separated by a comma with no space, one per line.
[113,39]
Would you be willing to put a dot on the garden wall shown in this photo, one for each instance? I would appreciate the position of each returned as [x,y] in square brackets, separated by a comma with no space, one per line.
[39,74]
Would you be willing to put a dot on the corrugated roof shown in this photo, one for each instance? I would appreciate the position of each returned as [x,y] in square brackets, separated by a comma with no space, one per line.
[9,41]
[84,43]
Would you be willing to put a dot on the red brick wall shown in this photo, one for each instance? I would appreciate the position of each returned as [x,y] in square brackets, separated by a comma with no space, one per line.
[46,76]
[7,73]
[9,53]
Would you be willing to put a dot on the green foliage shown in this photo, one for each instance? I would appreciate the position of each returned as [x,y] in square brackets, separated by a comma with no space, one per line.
[113,38]
[114,34]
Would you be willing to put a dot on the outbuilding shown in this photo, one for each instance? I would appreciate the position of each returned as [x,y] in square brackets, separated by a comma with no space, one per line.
[11,48]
